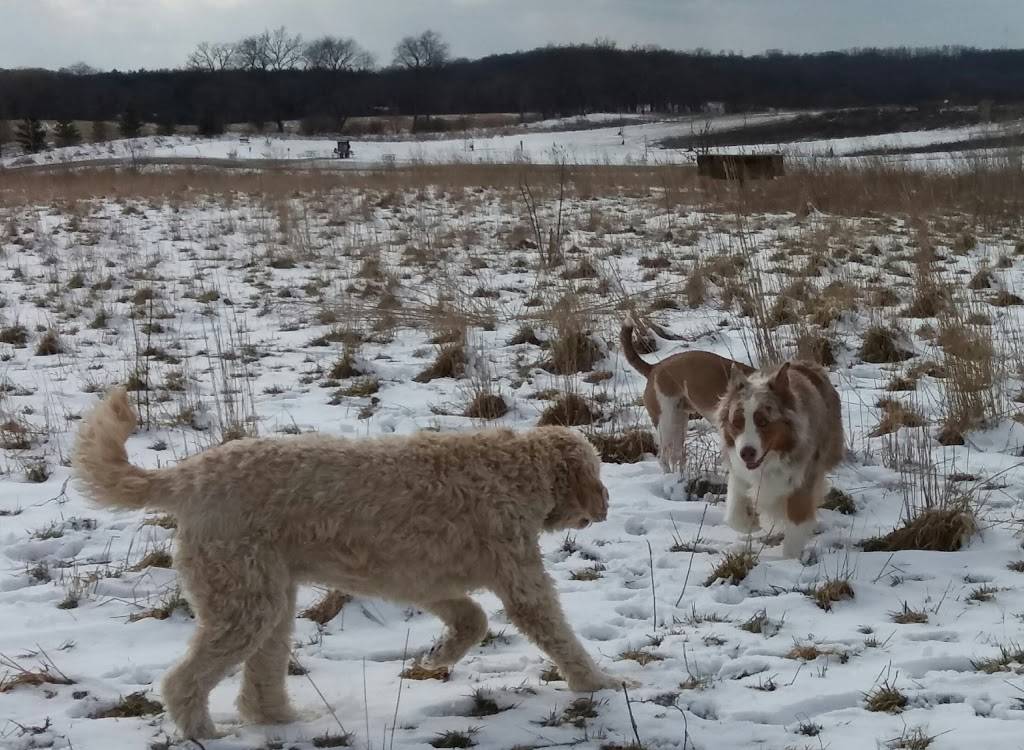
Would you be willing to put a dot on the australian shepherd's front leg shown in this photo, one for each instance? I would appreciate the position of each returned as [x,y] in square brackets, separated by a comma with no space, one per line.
[801,519]
[739,511]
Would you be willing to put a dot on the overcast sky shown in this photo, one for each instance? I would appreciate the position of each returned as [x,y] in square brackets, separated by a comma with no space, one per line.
[128,34]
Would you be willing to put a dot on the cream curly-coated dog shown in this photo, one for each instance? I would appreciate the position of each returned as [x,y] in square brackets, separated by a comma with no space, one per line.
[421,519]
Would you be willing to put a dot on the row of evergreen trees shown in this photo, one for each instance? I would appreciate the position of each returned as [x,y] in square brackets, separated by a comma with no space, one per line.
[33,136]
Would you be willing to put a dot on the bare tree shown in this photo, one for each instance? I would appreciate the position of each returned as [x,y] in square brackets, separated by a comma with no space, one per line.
[79,69]
[336,54]
[212,57]
[283,51]
[251,53]
[428,50]
[421,55]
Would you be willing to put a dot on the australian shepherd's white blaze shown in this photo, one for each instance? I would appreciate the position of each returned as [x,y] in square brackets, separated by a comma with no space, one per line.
[782,431]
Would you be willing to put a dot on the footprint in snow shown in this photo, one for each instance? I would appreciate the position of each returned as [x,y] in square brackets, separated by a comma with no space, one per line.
[636,527]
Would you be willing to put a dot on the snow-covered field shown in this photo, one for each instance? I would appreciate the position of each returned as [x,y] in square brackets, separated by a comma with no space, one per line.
[234,312]
[580,141]
[541,143]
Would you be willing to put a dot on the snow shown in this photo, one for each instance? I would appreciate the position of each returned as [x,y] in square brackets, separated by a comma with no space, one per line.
[581,140]
[538,144]
[716,685]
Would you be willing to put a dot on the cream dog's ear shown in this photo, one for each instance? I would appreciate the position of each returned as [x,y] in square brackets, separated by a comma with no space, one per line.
[585,498]
[589,493]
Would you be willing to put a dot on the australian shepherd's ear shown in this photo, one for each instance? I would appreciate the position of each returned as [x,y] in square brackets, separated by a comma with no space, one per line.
[780,383]
[737,378]
[781,388]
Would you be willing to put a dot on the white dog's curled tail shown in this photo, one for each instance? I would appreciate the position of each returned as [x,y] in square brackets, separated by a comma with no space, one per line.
[101,462]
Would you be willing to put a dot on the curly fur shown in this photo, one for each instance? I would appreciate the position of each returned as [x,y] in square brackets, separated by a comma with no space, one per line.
[423,519]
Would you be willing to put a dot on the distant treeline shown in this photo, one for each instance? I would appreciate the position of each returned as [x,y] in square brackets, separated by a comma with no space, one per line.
[549,81]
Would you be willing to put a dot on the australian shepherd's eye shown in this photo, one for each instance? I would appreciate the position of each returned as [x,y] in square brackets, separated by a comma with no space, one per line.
[737,420]
[760,419]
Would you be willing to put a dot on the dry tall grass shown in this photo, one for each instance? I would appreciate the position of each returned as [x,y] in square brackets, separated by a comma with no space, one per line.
[987,191]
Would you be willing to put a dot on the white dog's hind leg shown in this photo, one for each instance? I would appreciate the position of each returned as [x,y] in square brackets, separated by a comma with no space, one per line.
[467,625]
[264,697]
[672,427]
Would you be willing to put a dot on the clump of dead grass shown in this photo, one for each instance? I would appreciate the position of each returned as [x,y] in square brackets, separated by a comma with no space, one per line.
[783,312]
[733,567]
[881,346]
[15,434]
[16,335]
[885,698]
[839,501]
[912,738]
[484,704]
[815,346]
[808,651]
[971,385]
[585,269]
[361,388]
[895,415]
[568,409]
[573,348]
[982,593]
[158,558]
[486,406]
[938,529]
[524,335]
[826,306]
[1003,298]
[134,705]
[328,739]
[695,290]
[173,602]
[760,624]
[930,297]
[1009,659]
[641,656]
[449,363]
[985,278]
[626,447]
[49,344]
[16,676]
[346,366]
[907,615]
[577,712]
[551,674]
[327,607]
[831,591]
[573,351]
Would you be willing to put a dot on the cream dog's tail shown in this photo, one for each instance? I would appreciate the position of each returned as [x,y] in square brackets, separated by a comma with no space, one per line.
[101,462]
